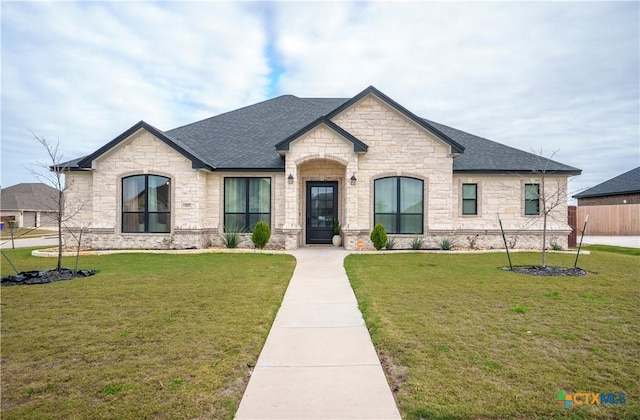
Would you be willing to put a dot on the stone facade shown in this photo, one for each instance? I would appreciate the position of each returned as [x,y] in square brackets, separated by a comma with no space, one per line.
[396,147]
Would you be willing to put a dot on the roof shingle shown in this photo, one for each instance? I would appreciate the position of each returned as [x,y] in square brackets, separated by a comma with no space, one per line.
[626,183]
[29,196]
[247,138]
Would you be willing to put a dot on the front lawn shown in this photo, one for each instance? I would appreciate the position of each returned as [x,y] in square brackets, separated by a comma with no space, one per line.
[464,339]
[149,336]
[23,233]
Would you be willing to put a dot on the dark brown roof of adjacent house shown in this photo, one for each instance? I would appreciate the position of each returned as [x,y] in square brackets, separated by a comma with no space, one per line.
[29,196]
[626,183]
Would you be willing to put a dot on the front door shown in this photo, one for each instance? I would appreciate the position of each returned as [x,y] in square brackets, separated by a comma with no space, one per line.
[322,210]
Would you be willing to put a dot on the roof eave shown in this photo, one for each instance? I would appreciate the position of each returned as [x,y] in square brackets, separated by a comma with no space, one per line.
[196,163]
[567,172]
[609,194]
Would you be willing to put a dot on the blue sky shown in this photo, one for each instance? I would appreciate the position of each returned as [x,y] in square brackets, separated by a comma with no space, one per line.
[534,75]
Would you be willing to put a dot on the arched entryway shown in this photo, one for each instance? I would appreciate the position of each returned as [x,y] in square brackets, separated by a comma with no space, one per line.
[322,197]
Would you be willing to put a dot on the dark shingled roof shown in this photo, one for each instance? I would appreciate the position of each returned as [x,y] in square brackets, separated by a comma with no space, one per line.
[627,183]
[486,156]
[29,196]
[248,138]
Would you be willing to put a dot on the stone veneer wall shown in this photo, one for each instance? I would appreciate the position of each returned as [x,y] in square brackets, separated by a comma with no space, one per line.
[397,147]
[197,197]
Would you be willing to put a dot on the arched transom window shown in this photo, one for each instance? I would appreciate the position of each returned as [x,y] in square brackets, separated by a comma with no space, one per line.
[399,204]
[146,204]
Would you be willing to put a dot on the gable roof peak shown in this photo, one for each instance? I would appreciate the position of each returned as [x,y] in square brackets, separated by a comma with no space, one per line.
[177,145]
[456,147]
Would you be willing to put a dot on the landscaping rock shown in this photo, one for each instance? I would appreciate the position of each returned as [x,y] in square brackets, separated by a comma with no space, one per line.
[549,271]
[44,276]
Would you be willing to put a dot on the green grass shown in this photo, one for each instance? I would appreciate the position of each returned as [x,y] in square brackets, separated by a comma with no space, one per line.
[474,341]
[22,233]
[149,336]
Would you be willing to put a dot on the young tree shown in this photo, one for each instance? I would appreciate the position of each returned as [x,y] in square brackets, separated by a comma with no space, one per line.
[549,196]
[52,173]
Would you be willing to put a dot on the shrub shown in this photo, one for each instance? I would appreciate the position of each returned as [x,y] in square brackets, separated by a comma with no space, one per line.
[378,236]
[261,234]
[231,236]
[391,244]
[446,244]
[416,244]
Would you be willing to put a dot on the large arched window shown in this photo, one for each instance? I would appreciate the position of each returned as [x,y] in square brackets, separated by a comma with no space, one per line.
[399,204]
[146,204]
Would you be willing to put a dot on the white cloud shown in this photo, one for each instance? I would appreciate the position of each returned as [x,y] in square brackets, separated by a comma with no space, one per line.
[550,75]
[532,75]
[84,72]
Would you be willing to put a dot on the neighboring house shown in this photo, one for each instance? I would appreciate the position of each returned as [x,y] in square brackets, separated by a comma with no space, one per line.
[613,206]
[29,204]
[301,163]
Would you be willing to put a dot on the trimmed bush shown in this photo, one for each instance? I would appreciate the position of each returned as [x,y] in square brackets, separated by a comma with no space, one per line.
[261,234]
[378,236]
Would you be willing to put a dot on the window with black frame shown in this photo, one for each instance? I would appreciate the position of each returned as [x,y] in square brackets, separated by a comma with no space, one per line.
[399,204]
[469,199]
[146,204]
[246,202]
[531,199]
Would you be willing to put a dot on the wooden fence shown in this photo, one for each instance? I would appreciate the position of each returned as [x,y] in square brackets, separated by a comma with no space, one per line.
[610,220]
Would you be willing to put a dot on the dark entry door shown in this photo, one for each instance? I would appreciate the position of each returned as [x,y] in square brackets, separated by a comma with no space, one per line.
[322,210]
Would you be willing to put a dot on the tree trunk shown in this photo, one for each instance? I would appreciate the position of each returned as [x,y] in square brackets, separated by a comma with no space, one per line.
[59,266]
[544,240]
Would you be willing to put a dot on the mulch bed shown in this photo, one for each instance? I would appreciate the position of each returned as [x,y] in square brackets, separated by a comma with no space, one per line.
[549,271]
[44,276]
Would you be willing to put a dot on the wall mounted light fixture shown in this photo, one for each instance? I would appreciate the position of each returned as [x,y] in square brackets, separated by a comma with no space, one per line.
[353,179]
[290,179]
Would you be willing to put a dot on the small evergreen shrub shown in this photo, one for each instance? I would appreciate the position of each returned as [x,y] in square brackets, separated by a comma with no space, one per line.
[378,236]
[417,243]
[446,244]
[261,234]
[391,244]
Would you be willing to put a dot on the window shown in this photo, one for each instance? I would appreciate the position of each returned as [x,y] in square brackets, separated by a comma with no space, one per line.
[398,204]
[146,204]
[246,201]
[469,198]
[531,199]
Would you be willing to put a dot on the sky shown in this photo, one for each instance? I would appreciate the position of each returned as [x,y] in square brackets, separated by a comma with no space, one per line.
[548,76]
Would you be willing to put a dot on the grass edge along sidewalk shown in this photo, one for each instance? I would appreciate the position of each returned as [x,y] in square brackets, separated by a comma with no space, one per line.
[460,338]
[149,336]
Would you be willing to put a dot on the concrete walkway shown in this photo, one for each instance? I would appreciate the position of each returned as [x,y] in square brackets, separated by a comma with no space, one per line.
[318,361]
[627,241]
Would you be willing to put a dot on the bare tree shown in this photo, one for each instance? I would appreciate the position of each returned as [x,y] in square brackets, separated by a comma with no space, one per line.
[53,173]
[549,198]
